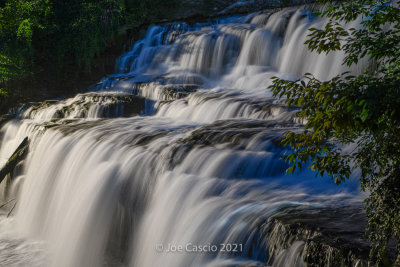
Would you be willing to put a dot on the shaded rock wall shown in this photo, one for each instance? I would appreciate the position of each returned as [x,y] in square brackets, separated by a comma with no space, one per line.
[209,8]
[332,237]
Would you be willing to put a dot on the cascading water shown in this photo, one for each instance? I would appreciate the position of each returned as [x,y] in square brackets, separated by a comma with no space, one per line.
[197,168]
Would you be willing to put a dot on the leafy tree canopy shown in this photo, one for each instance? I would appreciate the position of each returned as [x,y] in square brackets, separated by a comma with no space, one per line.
[56,39]
[49,39]
[361,111]
[52,31]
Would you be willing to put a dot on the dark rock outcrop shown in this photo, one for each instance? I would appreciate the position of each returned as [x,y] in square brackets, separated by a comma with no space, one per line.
[332,236]
[206,8]
[19,155]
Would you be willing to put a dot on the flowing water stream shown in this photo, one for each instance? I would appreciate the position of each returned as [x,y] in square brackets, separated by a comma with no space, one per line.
[175,159]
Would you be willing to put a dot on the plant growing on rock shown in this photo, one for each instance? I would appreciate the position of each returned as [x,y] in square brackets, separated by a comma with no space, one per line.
[361,110]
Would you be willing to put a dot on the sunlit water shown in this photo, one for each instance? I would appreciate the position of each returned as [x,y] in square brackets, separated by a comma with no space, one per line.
[200,167]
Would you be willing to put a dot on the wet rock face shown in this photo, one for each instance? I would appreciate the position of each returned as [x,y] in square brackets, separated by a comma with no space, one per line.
[163,91]
[332,237]
[235,134]
[208,8]
[133,105]
[88,105]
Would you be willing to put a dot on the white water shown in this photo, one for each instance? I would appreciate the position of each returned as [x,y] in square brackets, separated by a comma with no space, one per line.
[200,167]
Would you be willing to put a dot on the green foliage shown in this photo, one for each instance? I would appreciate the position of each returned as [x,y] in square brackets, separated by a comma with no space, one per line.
[37,36]
[18,20]
[57,39]
[82,30]
[8,69]
[138,12]
[361,111]
[24,31]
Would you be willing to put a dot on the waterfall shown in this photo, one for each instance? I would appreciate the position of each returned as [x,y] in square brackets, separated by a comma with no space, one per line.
[175,159]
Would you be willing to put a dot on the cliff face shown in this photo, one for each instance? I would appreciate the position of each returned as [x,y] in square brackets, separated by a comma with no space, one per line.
[209,8]
[326,237]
